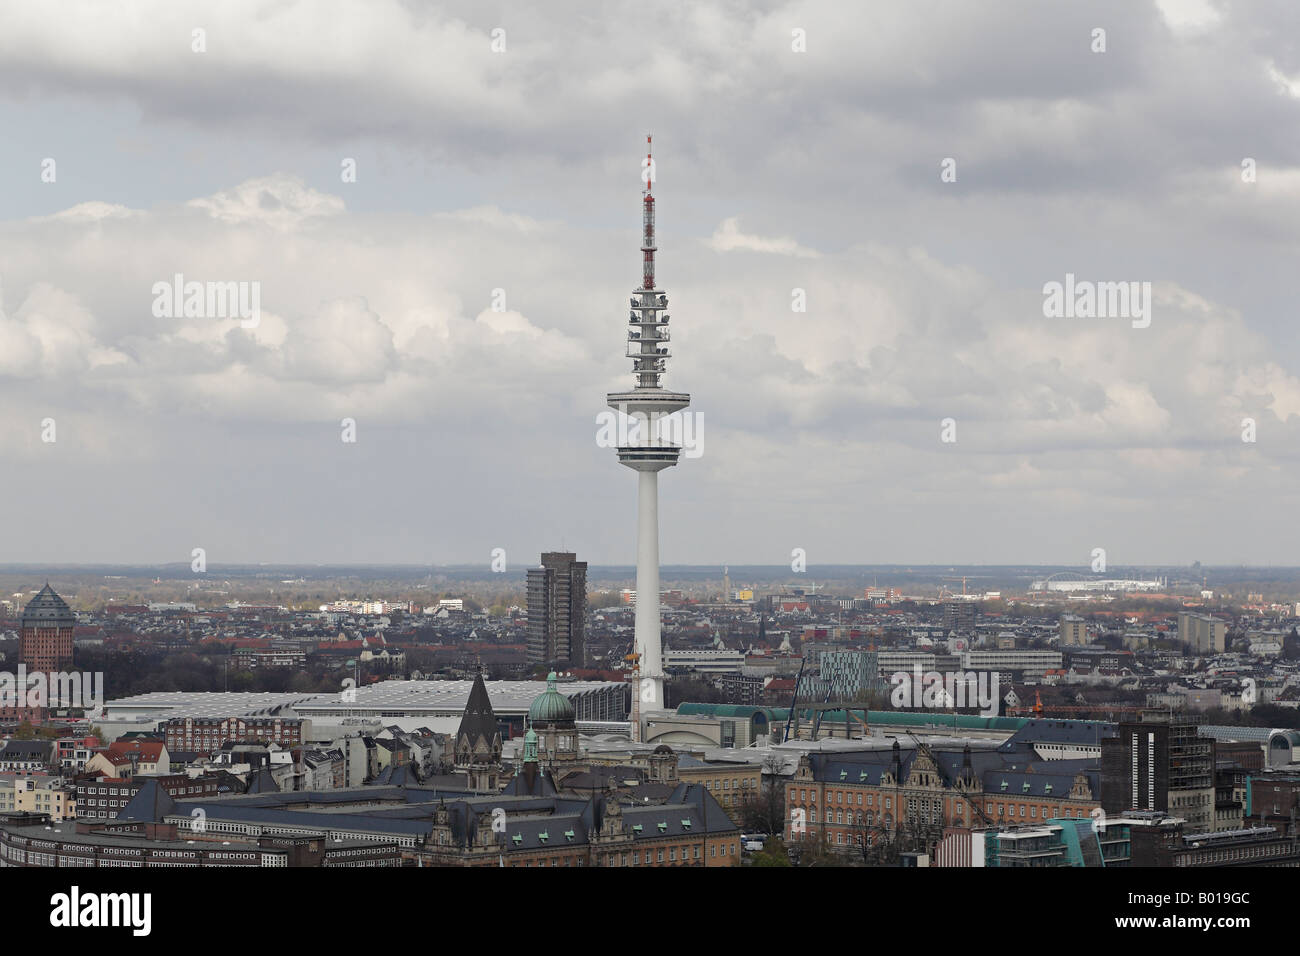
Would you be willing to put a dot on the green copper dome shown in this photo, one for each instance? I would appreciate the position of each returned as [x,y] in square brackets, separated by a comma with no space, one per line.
[552,706]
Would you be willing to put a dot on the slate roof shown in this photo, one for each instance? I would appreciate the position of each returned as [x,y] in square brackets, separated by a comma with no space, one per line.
[149,805]
[1042,786]
[868,767]
[47,609]
[262,782]
[534,833]
[543,785]
[1079,732]
[28,750]
[711,812]
[478,731]
[395,775]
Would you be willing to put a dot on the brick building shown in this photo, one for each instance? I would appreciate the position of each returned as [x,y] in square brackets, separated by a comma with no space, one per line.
[45,638]
[908,798]
[104,798]
[206,734]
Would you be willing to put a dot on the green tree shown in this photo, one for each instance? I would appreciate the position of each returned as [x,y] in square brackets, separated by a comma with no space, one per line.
[772,854]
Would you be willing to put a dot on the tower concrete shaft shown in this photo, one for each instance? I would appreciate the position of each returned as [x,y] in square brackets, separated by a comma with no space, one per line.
[649,403]
[649,645]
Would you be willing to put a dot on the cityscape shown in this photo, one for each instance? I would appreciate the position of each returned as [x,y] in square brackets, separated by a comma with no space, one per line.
[1058,719]
[970,548]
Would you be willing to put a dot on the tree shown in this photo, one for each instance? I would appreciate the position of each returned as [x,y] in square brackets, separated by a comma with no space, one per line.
[680,690]
[814,850]
[764,810]
[772,854]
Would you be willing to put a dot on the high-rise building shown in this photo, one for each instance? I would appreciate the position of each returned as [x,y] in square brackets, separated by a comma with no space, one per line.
[850,673]
[1160,763]
[1073,629]
[45,642]
[557,609]
[959,617]
[652,408]
[1202,633]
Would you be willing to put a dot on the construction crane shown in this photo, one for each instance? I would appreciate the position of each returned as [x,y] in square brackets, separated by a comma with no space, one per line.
[963,578]
[794,700]
[817,714]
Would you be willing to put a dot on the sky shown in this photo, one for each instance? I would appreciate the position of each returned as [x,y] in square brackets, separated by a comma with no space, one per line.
[914,175]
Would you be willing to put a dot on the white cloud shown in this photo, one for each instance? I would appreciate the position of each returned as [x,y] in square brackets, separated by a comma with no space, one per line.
[728,238]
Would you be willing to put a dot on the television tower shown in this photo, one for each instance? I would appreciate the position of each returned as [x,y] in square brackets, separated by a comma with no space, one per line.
[648,404]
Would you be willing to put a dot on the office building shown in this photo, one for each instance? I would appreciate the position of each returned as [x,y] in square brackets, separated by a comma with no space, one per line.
[557,609]
[1073,630]
[1160,763]
[1201,633]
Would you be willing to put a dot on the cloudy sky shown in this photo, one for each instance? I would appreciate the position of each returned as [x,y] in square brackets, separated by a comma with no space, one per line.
[518,169]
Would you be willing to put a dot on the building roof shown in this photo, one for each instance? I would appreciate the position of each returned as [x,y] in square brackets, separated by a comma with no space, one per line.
[478,725]
[27,750]
[149,751]
[150,804]
[47,609]
[1075,732]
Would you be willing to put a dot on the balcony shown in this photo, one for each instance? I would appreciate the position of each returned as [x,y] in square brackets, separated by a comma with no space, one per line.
[634,352]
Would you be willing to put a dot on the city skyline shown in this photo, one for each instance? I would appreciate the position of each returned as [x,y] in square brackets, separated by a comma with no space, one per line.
[820,169]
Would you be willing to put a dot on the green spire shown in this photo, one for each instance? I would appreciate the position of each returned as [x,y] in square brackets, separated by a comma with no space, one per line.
[530,744]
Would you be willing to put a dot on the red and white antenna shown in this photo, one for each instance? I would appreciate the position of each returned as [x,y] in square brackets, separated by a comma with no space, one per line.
[648,222]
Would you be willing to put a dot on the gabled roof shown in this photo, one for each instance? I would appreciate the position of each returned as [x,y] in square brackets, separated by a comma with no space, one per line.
[712,815]
[121,751]
[543,785]
[149,805]
[396,775]
[262,782]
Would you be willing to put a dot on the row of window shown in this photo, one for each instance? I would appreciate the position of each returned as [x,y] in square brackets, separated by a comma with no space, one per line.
[637,858]
[925,808]
[1230,855]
